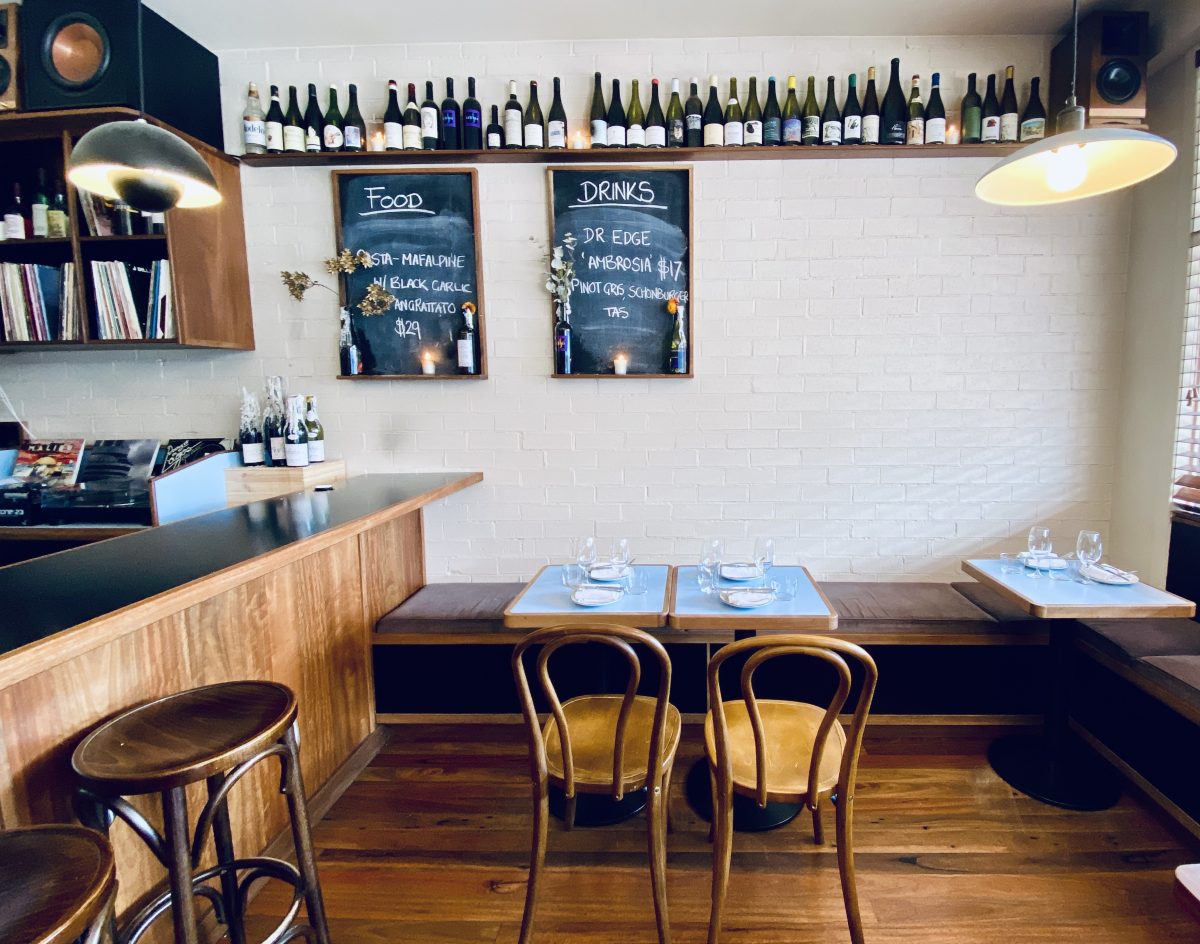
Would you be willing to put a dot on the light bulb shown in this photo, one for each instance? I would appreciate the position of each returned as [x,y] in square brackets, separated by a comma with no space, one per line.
[1066,169]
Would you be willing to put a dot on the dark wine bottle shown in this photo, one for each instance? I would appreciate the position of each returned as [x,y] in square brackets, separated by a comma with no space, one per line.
[793,121]
[714,118]
[693,117]
[556,124]
[599,116]
[355,129]
[412,121]
[431,120]
[656,122]
[1010,120]
[972,114]
[935,113]
[293,125]
[635,118]
[831,118]
[870,111]
[616,117]
[1033,122]
[752,116]
[533,125]
[466,346]
[734,128]
[991,113]
[562,343]
[852,113]
[451,120]
[915,130]
[893,116]
[811,133]
[676,128]
[514,117]
[772,130]
[275,123]
[332,138]
[312,121]
[495,133]
[393,120]
[472,119]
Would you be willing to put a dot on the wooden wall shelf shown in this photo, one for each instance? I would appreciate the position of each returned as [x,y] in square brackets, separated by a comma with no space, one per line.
[633,155]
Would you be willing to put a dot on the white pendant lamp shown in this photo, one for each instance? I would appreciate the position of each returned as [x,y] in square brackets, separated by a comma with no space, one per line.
[148,167]
[1077,162]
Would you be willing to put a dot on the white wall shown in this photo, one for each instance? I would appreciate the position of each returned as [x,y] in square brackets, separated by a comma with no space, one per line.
[890,374]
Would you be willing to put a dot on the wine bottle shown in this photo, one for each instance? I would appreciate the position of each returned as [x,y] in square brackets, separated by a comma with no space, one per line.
[495,133]
[250,442]
[772,130]
[676,127]
[656,124]
[831,118]
[893,120]
[714,119]
[472,119]
[852,113]
[513,118]
[293,126]
[616,117]
[811,133]
[295,435]
[870,111]
[254,124]
[393,120]
[274,421]
[693,117]
[274,123]
[315,431]
[313,122]
[39,209]
[793,122]
[556,126]
[599,116]
[1010,120]
[431,120]
[412,121]
[752,115]
[355,129]
[991,113]
[915,129]
[14,216]
[677,361]
[58,222]
[562,344]
[935,114]
[635,119]
[451,120]
[467,361]
[1033,122]
[734,129]
[534,126]
[972,114]
[332,138]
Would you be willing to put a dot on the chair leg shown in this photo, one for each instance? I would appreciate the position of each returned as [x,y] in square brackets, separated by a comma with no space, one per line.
[569,812]
[712,787]
[175,829]
[845,854]
[302,837]
[656,831]
[667,795]
[223,841]
[537,856]
[722,852]
[818,823]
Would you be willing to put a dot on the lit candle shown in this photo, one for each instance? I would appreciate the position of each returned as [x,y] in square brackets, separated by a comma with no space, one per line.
[377,141]
[621,364]
[952,134]
[579,142]
[426,363]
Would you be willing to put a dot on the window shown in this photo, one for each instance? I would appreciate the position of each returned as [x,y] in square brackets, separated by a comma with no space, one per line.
[1187,436]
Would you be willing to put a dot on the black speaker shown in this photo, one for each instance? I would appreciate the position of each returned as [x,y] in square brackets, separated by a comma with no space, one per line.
[84,54]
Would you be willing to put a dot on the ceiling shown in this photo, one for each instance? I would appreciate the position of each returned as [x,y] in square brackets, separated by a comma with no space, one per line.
[242,24]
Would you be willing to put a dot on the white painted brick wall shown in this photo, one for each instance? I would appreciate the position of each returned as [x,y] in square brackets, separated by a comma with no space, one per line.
[891,375]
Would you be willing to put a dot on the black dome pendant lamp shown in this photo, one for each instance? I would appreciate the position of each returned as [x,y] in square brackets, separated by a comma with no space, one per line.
[147,167]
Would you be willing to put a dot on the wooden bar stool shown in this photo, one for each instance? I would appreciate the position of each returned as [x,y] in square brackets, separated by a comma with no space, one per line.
[213,735]
[58,885]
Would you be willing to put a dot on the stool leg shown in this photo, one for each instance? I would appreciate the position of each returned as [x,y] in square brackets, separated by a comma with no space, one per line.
[175,823]
[223,840]
[302,836]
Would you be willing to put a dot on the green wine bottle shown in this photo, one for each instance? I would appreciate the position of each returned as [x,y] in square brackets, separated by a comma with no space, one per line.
[734,129]
[812,114]
[676,125]
[714,118]
[793,123]
[772,129]
[635,128]
[656,124]
[915,130]
[752,115]
[852,114]
[831,118]
[972,113]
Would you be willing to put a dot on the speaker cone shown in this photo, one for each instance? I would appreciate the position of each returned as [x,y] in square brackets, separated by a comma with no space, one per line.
[1118,81]
[76,52]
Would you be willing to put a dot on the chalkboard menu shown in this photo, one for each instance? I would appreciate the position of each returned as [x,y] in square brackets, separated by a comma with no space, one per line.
[634,232]
[421,229]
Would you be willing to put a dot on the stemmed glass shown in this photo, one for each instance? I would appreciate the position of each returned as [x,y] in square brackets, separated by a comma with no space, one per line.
[1089,549]
[764,554]
[583,550]
[618,555]
[1039,547]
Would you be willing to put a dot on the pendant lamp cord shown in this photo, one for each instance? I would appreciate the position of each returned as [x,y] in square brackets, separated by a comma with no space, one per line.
[1074,48]
[141,57]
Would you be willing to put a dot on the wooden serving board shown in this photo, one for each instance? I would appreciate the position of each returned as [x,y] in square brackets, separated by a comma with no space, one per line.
[246,484]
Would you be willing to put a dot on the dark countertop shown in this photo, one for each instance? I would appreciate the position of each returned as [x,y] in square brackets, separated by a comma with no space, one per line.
[41,597]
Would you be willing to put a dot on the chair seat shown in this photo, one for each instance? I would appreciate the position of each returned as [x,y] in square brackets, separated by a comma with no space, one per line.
[184,738]
[790,728]
[592,725]
[56,882]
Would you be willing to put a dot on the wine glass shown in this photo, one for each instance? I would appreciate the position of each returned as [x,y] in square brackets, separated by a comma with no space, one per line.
[764,554]
[619,552]
[583,550]
[1039,546]
[1089,549]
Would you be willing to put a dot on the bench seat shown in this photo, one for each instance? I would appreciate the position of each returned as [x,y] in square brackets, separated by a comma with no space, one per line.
[451,609]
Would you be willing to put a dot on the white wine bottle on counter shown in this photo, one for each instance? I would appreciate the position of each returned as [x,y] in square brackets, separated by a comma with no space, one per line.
[295,435]
[315,431]
[254,124]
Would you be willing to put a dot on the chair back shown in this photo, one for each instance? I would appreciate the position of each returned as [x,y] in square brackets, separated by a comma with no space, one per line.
[620,638]
[833,652]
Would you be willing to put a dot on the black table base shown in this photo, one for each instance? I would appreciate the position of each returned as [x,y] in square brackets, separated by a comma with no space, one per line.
[748,816]
[1066,773]
[598,809]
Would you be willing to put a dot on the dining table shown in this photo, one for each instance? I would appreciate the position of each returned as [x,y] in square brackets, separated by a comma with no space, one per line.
[1054,765]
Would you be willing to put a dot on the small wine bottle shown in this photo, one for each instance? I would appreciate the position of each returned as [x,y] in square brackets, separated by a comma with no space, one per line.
[58,222]
[514,117]
[250,434]
[870,111]
[431,120]
[274,421]
[793,120]
[533,125]
[313,122]
[635,119]
[1010,120]
[714,118]
[677,359]
[734,127]
[991,113]
[14,216]
[39,209]
[915,129]
[467,359]
[332,138]
[451,120]
[599,116]
[852,113]
[295,436]
[315,430]
[556,125]
[831,118]
[1033,122]
[355,129]
[752,116]
[412,121]
[562,344]
[772,131]
[495,133]
[972,113]
[893,124]
[472,119]
[616,117]
[811,134]
[656,122]
[274,123]
[254,124]
[676,125]
[693,117]
[935,114]
[393,120]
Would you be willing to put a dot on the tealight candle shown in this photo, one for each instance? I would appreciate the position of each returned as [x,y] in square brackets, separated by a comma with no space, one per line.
[427,363]
[377,141]
[621,364]
[579,142]
[952,134]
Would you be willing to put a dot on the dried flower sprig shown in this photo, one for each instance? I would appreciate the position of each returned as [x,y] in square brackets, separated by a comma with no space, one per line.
[347,261]
[561,276]
[377,299]
[298,283]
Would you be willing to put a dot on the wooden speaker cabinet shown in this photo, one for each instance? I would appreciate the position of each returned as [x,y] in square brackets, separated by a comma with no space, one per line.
[9,49]
[1111,80]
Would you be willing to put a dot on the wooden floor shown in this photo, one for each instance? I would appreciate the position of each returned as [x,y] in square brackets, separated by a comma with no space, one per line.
[430,845]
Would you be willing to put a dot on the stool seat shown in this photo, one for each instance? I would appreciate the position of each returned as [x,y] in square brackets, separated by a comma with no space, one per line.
[56,881]
[184,738]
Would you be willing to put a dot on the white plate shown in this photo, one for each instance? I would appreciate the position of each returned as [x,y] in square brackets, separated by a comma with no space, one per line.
[608,573]
[596,596]
[1055,563]
[742,570]
[746,598]
[1100,575]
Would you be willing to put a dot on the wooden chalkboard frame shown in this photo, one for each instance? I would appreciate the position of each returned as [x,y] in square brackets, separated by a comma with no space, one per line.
[481,312]
[691,325]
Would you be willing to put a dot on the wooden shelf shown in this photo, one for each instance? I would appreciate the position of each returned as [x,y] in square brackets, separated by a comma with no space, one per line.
[137,237]
[480,376]
[34,242]
[688,376]
[633,155]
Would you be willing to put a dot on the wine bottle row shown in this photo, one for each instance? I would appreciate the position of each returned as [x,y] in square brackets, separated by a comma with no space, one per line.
[892,118]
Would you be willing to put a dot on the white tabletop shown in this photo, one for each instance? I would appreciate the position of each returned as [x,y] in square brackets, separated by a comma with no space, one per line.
[809,610]
[1045,598]
[546,602]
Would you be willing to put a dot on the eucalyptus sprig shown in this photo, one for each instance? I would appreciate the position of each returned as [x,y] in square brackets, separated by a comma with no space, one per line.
[377,299]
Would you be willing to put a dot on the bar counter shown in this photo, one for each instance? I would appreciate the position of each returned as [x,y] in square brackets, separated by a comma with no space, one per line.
[287,589]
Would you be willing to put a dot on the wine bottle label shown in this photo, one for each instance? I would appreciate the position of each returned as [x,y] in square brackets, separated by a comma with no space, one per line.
[972,124]
[812,126]
[693,122]
[14,226]
[393,135]
[56,224]
[616,136]
[991,129]
[1009,125]
[635,136]
[1033,129]
[831,132]
[852,127]
[274,136]
[599,131]
[753,133]
[915,133]
[676,132]
[772,131]
[429,123]
[793,130]
[333,137]
[253,453]
[278,452]
[466,354]
[556,134]
[353,136]
[293,138]
[472,118]
[870,129]
[316,450]
[295,454]
[533,136]
[895,133]
[656,136]
[733,132]
[312,139]
[449,118]
[254,132]
[512,127]
[39,215]
[412,137]
[935,130]
[714,134]
[493,139]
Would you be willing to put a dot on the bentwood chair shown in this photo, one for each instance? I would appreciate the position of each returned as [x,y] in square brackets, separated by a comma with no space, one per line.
[600,744]
[786,752]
